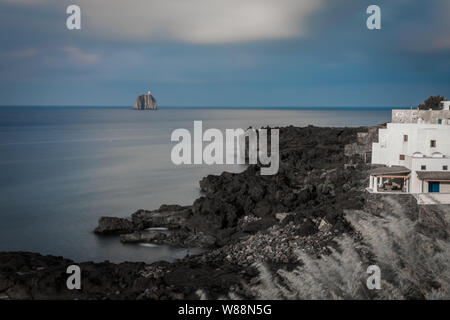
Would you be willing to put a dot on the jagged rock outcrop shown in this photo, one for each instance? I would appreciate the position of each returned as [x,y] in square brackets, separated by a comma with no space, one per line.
[146,102]
[167,216]
[311,184]
[113,225]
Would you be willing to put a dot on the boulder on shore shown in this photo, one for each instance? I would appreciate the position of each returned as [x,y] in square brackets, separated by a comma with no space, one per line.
[113,225]
[167,216]
[146,102]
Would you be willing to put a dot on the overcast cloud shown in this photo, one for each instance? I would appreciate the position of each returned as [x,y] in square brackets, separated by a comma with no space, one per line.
[200,21]
[224,52]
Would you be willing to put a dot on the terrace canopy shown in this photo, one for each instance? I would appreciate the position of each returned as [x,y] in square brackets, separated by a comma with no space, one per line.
[394,178]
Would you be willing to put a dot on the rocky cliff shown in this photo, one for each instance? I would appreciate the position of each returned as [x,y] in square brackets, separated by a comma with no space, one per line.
[146,102]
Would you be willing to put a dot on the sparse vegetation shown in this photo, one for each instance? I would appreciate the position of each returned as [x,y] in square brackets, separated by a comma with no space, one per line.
[414,264]
[432,103]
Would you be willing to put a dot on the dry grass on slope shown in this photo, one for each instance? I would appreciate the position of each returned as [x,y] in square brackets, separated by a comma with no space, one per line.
[414,262]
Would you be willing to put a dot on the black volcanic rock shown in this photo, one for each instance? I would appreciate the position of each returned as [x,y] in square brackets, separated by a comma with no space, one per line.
[312,184]
[167,216]
[113,225]
[243,219]
[146,102]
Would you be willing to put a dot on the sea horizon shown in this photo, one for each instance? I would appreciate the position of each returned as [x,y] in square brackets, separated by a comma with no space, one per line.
[219,107]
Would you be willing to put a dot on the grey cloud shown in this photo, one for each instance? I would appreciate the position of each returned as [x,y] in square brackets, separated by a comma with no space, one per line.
[198,21]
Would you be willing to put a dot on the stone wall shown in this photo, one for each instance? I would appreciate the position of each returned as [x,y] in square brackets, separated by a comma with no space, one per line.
[363,145]
[420,116]
[376,203]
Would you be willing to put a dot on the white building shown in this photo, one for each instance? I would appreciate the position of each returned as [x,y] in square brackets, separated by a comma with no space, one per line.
[415,152]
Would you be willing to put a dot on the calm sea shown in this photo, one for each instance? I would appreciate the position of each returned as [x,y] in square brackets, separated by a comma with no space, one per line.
[61,168]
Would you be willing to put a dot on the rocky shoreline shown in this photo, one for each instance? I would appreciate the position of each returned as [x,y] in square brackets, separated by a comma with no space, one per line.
[243,220]
[310,190]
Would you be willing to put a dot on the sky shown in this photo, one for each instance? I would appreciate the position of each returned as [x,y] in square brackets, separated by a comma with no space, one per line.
[213,53]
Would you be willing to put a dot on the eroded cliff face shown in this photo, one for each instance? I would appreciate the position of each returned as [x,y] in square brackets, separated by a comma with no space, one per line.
[146,102]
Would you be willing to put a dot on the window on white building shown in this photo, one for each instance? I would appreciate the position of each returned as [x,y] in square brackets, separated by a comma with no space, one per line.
[444,167]
[405,138]
[423,167]
[433,143]
[402,157]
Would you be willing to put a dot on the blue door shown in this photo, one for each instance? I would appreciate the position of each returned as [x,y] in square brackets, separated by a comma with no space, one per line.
[433,186]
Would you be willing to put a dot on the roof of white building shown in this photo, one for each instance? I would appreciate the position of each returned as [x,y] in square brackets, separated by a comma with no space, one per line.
[433,175]
[390,170]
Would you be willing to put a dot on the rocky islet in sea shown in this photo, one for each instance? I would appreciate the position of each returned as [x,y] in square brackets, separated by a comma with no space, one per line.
[146,102]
